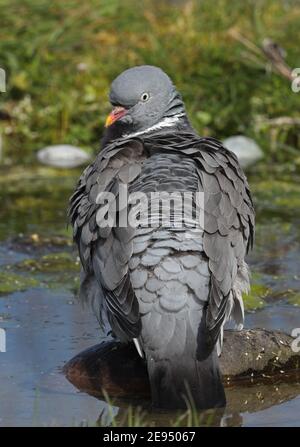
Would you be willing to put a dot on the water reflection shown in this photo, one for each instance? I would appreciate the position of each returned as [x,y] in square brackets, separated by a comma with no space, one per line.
[243,402]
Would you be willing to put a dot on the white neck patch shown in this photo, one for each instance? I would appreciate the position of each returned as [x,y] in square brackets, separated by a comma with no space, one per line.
[166,122]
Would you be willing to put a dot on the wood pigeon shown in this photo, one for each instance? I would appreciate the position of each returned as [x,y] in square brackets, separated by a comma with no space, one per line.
[169,288]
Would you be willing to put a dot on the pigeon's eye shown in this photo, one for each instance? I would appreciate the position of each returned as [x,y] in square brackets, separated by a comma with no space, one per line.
[145,96]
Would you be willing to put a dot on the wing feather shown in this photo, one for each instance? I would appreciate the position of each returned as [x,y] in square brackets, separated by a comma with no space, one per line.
[105,252]
[228,224]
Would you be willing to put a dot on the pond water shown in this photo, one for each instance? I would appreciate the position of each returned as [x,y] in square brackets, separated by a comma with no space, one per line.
[45,326]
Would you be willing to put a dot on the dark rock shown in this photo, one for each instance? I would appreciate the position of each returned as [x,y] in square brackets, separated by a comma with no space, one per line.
[248,355]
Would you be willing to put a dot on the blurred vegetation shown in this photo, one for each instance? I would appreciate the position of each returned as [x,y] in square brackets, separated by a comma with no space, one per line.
[10,282]
[60,58]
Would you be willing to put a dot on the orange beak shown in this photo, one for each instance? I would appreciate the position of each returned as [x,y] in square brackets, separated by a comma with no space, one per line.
[114,115]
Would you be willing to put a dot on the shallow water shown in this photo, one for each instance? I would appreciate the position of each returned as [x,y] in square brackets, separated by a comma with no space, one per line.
[45,326]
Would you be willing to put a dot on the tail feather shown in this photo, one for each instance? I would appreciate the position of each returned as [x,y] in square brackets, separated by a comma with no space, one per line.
[191,374]
[174,381]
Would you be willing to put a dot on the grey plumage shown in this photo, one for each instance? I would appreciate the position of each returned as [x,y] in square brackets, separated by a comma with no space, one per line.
[171,289]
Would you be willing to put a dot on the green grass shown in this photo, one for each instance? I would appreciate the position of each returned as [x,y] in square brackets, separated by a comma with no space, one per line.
[60,58]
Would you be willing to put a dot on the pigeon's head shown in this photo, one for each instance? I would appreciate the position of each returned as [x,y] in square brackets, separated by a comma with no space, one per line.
[143,98]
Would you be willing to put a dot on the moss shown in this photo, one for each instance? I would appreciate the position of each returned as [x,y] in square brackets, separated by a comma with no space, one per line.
[55,262]
[54,270]
[10,282]
[276,186]
[255,298]
[59,239]
[33,198]
[256,277]
[28,202]
[64,281]
[27,180]
[282,197]
[294,298]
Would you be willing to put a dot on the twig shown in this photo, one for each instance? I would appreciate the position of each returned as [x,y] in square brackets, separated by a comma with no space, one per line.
[270,52]
[280,121]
